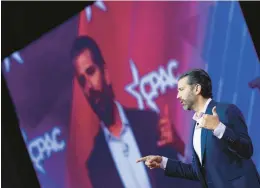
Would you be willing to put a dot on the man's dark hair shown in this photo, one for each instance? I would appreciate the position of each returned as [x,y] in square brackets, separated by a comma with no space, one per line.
[82,43]
[201,77]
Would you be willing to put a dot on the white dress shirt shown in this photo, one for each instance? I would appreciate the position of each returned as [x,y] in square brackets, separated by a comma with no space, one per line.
[218,132]
[124,150]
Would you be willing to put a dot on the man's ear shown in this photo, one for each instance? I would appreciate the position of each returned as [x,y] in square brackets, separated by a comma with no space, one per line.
[106,74]
[198,89]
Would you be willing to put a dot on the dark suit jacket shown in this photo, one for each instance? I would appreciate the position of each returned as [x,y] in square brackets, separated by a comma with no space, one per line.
[102,171]
[226,162]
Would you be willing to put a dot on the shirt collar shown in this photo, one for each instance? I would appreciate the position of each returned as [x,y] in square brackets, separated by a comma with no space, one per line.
[197,115]
[123,118]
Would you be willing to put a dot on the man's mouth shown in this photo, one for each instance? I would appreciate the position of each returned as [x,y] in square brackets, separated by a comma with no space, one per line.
[97,100]
[95,97]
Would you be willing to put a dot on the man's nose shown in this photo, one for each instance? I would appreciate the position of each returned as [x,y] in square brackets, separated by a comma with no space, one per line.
[88,85]
[178,96]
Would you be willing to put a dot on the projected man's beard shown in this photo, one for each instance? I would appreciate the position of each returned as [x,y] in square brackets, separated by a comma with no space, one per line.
[102,103]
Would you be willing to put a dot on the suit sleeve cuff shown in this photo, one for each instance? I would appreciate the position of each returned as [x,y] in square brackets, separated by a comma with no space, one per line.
[220,130]
[164,163]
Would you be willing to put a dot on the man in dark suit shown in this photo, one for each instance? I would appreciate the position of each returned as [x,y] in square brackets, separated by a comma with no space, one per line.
[120,139]
[222,148]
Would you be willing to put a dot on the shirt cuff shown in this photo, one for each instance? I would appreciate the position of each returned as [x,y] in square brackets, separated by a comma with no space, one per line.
[219,131]
[163,163]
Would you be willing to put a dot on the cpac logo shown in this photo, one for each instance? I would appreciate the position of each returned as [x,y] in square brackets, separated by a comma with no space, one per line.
[158,82]
[41,148]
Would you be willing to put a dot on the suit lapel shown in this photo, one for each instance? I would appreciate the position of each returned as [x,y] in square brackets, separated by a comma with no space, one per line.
[193,150]
[101,163]
[205,132]
[142,123]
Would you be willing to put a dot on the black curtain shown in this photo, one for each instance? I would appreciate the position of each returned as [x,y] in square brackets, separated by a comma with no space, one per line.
[24,22]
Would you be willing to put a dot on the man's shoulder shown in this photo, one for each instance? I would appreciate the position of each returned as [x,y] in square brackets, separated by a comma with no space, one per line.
[223,104]
[226,105]
[135,111]
[144,115]
[229,109]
